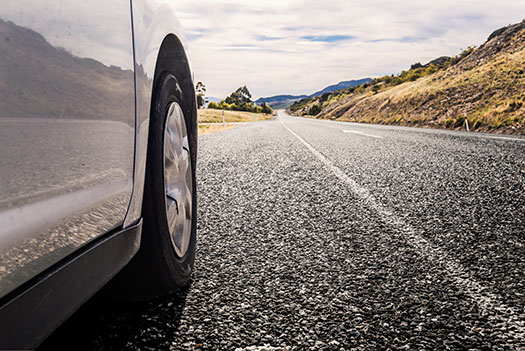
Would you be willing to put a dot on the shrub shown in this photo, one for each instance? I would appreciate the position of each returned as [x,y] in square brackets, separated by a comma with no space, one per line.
[514,106]
[314,110]
[477,123]
[265,108]
[296,106]
[449,122]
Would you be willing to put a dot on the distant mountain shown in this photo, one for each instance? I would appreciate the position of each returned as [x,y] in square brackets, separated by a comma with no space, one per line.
[280,101]
[285,101]
[279,98]
[341,85]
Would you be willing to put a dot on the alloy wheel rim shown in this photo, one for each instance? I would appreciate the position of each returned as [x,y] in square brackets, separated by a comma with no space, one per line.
[177,179]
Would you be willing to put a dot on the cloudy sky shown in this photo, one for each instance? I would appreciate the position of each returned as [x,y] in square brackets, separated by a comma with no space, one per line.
[298,47]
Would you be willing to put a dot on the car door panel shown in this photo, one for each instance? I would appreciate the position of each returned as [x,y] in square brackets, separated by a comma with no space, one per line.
[67,129]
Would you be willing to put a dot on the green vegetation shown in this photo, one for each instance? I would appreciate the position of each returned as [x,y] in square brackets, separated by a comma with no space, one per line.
[200,90]
[298,105]
[314,110]
[241,100]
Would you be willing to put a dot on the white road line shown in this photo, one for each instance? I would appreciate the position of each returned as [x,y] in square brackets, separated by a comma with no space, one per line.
[486,300]
[493,137]
[220,123]
[361,133]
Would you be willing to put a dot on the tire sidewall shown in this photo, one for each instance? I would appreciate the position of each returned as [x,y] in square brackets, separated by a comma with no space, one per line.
[177,269]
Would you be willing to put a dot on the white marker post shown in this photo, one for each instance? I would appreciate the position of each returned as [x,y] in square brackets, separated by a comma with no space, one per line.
[466,122]
[223,120]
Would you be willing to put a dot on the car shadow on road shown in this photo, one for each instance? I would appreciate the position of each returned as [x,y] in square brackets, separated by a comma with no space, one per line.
[106,324]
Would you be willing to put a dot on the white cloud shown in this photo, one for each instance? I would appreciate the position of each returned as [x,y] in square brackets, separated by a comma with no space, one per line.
[264,44]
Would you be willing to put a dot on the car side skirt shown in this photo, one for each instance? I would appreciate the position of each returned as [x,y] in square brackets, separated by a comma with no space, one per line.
[30,313]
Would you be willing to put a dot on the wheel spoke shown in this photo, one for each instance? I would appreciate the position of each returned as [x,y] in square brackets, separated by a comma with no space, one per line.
[178,180]
[170,148]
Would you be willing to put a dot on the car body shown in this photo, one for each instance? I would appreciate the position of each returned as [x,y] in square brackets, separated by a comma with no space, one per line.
[75,109]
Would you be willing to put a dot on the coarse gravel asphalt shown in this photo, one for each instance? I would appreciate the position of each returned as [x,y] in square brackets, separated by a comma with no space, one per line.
[320,235]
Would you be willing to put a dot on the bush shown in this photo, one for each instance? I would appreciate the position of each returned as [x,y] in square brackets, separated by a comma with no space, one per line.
[325,97]
[449,122]
[296,106]
[314,110]
[477,123]
[416,65]
[460,121]
[266,109]
[514,106]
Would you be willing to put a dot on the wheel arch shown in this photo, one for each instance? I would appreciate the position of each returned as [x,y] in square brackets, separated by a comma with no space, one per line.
[172,58]
[159,44]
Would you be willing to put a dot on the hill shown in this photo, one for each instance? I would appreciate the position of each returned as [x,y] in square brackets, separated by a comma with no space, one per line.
[279,98]
[285,101]
[485,84]
[341,85]
[280,101]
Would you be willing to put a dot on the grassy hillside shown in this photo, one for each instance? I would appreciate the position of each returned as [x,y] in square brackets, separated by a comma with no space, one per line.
[485,84]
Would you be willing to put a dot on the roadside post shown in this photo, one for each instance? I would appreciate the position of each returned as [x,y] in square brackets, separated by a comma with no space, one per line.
[466,122]
[223,119]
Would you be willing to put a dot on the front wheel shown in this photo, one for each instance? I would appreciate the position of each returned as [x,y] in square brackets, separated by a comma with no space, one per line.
[166,256]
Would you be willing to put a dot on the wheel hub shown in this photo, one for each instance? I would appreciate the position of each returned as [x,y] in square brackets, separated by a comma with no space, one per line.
[178,179]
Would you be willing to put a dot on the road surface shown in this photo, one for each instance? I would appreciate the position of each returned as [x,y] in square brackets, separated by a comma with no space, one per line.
[334,236]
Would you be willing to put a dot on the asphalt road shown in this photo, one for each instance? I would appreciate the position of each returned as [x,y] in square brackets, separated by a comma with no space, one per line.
[319,235]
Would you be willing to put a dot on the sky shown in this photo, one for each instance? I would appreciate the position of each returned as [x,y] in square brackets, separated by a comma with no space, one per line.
[299,47]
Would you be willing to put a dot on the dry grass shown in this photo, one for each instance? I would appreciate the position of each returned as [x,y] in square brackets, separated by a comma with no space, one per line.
[213,128]
[215,116]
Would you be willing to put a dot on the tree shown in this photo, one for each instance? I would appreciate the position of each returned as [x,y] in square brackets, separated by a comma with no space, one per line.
[241,96]
[266,109]
[416,65]
[240,100]
[200,89]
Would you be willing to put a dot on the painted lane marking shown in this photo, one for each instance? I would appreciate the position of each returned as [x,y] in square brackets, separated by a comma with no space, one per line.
[494,137]
[486,300]
[361,133]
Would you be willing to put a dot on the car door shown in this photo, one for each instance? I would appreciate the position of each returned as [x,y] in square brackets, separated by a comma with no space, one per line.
[67,124]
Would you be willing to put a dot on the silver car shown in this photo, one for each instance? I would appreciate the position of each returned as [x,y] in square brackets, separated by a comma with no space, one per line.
[98,140]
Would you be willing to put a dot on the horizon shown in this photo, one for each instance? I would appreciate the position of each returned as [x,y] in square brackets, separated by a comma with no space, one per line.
[297,48]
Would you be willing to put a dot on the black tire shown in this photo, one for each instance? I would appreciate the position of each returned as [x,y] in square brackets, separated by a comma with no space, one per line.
[156,269]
